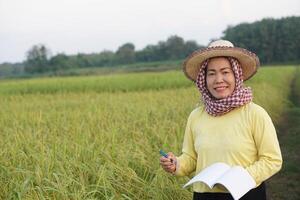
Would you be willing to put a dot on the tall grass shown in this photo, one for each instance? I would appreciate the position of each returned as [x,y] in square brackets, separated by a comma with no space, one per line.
[79,146]
[297,87]
[68,141]
[271,87]
[288,179]
[110,83]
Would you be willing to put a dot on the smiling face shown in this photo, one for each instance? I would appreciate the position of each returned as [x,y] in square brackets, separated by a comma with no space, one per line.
[220,78]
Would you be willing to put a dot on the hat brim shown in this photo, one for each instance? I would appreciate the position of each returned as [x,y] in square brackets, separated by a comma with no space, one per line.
[248,60]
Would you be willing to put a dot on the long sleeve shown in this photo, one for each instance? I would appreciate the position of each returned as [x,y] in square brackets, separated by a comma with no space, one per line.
[186,162]
[269,155]
[245,137]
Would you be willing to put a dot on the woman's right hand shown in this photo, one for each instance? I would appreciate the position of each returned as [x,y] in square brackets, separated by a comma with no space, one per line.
[168,164]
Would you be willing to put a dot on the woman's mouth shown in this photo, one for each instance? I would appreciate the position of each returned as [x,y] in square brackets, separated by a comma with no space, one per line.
[220,88]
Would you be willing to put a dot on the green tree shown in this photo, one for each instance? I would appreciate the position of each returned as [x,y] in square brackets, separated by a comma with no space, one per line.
[148,54]
[37,58]
[82,60]
[191,46]
[106,58]
[273,40]
[59,62]
[125,54]
[175,47]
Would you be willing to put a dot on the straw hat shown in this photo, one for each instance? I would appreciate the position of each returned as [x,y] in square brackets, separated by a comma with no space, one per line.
[248,60]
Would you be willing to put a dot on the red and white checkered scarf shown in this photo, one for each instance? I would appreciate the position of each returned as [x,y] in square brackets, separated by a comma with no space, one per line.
[240,96]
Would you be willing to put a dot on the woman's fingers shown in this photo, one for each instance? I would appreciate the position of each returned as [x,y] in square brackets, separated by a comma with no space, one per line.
[172,157]
[166,164]
[169,163]
[166,161]
[169,168]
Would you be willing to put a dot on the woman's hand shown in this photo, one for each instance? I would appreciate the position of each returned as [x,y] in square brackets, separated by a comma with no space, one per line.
[168,164]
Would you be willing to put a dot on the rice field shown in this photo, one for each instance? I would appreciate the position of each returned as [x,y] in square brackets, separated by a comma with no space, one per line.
[98,137]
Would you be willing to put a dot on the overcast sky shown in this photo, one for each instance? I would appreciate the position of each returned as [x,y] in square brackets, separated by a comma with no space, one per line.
[86,26]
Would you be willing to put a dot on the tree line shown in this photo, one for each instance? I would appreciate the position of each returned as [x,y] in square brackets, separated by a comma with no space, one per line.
[273,40]
[174,48]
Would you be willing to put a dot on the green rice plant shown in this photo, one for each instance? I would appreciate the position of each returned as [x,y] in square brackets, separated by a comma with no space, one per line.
[296,86]
[288,179]
[271,87]
[91,145]
[62,140]
[110,83]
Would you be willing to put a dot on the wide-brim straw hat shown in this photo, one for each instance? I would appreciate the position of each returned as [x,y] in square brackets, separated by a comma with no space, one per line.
[248,60]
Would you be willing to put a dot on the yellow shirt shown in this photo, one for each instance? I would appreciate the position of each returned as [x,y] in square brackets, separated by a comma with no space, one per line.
[245,136]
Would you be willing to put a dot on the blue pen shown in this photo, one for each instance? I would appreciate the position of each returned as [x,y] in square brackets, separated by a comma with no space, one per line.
[165,155]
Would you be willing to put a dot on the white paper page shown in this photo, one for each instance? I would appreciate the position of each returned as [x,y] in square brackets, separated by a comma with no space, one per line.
[237,181]
[210,174]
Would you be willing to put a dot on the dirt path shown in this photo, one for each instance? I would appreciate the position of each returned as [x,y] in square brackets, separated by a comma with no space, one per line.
[286,184]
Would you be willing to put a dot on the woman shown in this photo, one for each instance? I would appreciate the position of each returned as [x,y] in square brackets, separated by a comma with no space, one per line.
[229,127]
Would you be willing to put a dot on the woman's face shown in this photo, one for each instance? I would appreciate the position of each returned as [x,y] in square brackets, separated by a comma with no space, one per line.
[220,79]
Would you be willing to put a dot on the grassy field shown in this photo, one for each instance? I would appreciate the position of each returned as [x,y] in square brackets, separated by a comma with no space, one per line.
[7,72]
[288,179]
[110,83]
[98,137]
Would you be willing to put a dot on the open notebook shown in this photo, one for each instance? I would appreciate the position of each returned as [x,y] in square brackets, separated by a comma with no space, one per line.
[235,179]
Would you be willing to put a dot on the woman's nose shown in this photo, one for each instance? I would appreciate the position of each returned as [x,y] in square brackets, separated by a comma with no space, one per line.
[219,78]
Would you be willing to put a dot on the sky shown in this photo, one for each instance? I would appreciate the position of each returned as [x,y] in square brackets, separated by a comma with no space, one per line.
[91,26]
